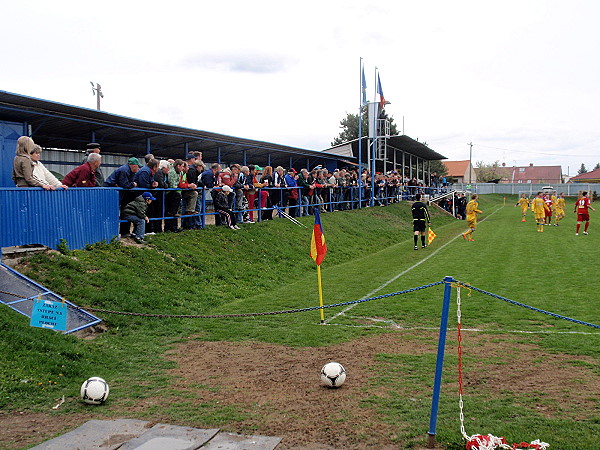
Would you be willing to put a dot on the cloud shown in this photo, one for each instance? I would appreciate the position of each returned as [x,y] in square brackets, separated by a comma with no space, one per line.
[250,61]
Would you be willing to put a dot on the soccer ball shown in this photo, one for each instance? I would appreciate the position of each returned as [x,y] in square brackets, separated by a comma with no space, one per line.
[94,391]
[333,375]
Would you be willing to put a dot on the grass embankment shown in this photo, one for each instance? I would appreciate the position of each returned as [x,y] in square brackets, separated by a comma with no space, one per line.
[265,267]
[210,271]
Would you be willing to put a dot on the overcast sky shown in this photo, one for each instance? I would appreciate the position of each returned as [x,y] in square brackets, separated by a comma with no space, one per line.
[518,79]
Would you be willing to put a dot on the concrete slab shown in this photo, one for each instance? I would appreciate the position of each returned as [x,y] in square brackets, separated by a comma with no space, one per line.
[233,441]
[96,435]
[162,437]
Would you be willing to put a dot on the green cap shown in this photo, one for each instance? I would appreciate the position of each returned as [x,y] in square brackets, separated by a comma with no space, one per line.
[133,161]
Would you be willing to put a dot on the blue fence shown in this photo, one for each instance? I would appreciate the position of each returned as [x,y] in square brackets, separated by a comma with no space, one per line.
[83,216]
[80,216]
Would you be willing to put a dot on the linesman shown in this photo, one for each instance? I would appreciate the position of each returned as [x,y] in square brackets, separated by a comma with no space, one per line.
[421,220]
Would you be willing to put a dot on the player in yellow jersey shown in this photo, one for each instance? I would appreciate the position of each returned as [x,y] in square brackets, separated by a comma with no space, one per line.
[472,211]
[524,204]
[539,207]
[559,210]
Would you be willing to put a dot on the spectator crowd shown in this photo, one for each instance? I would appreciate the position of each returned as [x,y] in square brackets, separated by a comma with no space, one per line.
[170,194]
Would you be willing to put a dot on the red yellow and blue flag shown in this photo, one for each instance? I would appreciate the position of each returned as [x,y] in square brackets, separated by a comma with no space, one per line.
[318,247]
[382,100]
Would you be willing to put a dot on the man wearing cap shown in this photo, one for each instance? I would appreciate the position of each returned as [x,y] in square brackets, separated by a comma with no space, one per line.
[221,205]
[94,147]
[136,212]
[123,177]
[144,178]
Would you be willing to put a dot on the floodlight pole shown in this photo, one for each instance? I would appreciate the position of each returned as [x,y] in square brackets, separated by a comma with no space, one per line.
[97,91]
[437,382]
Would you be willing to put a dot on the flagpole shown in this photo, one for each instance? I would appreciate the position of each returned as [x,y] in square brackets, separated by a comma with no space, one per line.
[320,293]
[362,94]
[375,137]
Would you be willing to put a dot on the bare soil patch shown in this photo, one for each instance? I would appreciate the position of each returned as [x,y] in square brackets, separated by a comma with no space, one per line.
[278,388]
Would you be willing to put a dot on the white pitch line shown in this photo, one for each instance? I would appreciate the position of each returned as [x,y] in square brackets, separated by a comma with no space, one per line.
[370,294]
[478,330]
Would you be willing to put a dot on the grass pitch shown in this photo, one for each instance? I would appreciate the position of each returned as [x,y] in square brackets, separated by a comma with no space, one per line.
[265,267]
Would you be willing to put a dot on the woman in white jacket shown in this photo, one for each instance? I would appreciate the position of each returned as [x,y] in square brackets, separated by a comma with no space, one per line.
[43,175]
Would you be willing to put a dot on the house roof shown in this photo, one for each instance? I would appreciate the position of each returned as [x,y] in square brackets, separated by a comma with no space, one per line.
[535,174]
[456,168]
[591,175]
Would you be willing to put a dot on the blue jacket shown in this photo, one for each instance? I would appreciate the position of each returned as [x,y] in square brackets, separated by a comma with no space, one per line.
[144,178]
[208,179]
[122,177]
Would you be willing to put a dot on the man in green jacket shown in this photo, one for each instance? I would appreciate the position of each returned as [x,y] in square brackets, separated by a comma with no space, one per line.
[136,212]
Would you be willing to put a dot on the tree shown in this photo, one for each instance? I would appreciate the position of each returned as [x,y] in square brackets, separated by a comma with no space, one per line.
[349,126]
[597,166]
[438,167]
[582,169]
[490,173]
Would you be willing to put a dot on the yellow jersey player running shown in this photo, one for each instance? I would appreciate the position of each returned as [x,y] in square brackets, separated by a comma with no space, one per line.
[472,211]
[524,204]
[559,211]
[539,207]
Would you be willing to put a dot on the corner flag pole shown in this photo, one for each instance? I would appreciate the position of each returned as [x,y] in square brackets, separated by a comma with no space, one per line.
[320,293]
[318,250]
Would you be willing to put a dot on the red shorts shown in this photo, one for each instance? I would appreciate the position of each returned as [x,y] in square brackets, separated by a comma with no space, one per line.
[585,217]
[548,213]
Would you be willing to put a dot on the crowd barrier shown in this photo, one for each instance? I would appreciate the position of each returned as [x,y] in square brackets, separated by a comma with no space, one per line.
[84,216]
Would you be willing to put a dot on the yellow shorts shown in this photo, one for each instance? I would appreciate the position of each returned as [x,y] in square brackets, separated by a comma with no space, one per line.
[539,216]
[472,223]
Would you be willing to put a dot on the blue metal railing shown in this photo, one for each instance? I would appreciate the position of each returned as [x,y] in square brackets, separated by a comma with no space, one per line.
[83,216]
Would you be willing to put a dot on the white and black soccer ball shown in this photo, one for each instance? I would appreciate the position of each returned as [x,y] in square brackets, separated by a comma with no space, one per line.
[94,391]
[333,375]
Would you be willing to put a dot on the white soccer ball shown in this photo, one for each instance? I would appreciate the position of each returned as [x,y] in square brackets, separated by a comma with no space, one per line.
[333,375]
[94,391]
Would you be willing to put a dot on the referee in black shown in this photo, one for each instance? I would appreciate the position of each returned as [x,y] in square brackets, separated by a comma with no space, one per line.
[421,220]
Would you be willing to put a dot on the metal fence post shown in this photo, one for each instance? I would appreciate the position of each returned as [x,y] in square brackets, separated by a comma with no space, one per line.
[437,384]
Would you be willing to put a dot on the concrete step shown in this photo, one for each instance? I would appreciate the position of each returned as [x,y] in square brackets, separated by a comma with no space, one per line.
[132,434]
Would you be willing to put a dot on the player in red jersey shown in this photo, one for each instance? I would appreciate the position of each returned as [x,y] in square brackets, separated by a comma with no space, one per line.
[548,211]
[583,215]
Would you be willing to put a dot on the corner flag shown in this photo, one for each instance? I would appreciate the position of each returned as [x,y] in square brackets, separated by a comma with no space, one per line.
[318,248]
[430,236]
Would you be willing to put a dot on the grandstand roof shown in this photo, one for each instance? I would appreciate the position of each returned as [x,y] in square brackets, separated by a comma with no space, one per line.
[592,176]
[57,125]
[403,143]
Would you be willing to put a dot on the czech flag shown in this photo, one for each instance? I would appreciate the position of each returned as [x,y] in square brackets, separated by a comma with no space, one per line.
[430,236]
[318,248]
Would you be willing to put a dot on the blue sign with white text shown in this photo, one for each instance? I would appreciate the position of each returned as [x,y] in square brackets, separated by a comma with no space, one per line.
[49,314]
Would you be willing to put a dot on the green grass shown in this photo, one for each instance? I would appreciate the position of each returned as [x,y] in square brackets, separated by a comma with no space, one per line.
[265,267]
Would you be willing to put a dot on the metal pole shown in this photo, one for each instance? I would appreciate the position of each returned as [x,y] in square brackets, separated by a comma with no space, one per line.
[470,144]
[360,74]
[437,384]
